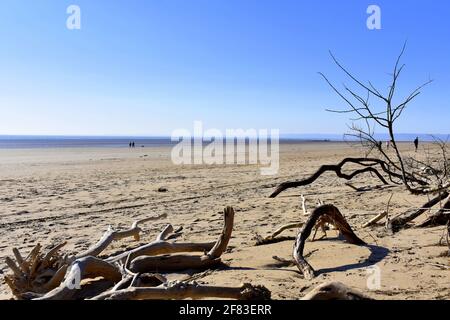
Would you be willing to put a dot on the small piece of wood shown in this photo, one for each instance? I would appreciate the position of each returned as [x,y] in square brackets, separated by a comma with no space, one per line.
[288,226]
[273,237]
[51,253]
[13,266]
[305,212]
[20,261]
[375,219]
[165,233]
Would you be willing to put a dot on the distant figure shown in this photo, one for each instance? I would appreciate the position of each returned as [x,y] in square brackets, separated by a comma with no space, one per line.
[129,144]
[380,145]
[132,144]
[387,144]
[416,143]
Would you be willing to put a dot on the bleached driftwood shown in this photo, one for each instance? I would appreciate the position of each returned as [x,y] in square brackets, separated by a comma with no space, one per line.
[323,214]
[273,237]
[113,235]
[375,219]
[181,262]
[41,273]
[83,268]
[37,272]
[126,275]
[305,211]
[181,290]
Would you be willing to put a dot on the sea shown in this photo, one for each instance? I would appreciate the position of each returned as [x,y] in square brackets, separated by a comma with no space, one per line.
[30,142]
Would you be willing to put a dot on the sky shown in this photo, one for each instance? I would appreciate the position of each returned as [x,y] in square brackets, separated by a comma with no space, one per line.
[149,67]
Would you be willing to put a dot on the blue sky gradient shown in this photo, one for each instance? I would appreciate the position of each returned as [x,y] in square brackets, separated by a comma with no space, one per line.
[147,67]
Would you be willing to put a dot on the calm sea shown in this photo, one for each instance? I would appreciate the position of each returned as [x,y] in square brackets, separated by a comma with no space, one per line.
[26,142]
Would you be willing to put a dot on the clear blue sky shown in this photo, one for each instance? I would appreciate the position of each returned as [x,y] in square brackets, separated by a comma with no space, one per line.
[151,66]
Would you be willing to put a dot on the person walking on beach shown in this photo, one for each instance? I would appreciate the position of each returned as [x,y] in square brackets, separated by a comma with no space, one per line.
[416,143]
[132,144]
[129,144]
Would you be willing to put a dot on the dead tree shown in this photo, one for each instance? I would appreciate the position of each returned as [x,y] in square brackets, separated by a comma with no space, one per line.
[429,176]
[134,274]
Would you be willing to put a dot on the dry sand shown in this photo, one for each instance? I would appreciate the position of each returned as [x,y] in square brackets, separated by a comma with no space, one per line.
[49,195]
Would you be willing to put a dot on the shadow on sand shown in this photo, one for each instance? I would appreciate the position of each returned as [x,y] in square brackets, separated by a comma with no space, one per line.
[377,254]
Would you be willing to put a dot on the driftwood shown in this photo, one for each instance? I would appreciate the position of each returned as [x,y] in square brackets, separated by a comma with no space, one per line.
[375,219]
[335,291]
[367,163]
[180,290]
[40,273]
[83,268]
[441,217]
[112,235]
[305,211]
[182,262]
[161,247]
[37,272]
[273,238]
[127,275]
[323,214]
[401,220]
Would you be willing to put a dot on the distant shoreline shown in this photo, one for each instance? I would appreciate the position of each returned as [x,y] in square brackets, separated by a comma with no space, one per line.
[43,142]
[109,142]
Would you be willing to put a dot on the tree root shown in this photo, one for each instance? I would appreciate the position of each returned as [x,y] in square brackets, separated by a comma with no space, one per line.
[53,276]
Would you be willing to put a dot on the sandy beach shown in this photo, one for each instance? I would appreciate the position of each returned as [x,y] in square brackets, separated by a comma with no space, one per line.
[51,195]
